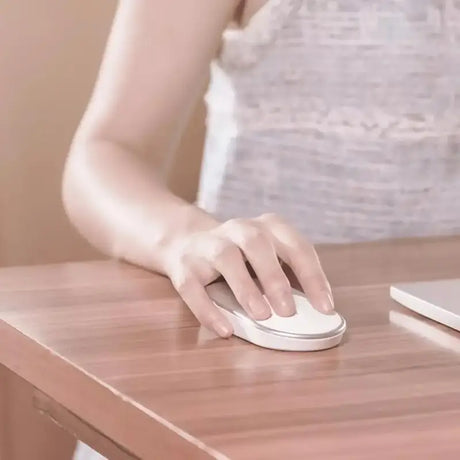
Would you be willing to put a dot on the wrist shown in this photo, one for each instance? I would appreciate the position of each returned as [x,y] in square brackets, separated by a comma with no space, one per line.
[187,220]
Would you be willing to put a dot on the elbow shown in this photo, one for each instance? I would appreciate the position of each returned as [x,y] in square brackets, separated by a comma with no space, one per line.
[84,199]
[77,192]
[72,187]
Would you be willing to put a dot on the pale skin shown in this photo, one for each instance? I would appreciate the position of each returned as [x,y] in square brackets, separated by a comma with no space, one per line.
[153,72]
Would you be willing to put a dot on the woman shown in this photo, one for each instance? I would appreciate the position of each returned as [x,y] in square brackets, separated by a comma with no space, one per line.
[341,118]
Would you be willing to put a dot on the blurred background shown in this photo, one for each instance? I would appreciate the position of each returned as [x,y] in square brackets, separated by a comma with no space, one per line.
[50,51]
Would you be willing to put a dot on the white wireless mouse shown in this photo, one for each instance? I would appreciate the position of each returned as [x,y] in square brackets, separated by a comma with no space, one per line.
[307,330]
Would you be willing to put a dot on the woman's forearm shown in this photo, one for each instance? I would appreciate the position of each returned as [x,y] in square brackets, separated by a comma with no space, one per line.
[121,206]
[155,65]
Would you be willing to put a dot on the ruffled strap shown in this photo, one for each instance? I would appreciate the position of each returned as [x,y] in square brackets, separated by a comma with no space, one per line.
[244,47]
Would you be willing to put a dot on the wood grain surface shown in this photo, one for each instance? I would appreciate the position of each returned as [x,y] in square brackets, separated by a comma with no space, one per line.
[79,428]
[115,346]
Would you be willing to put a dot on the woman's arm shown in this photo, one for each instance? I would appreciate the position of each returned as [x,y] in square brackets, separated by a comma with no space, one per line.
[154,69]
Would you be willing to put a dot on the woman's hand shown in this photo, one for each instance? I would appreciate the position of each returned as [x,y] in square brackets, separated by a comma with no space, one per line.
[201,257]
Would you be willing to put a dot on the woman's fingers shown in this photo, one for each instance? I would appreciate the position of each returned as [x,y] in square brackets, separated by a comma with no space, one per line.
[197,299]
[225,250]
[259,251]
[228,261]
[303,260]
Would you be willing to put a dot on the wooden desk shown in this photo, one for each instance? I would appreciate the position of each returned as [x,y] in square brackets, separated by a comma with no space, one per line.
[118,360]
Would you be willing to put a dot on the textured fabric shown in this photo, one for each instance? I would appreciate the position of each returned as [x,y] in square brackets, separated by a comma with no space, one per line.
[341,116]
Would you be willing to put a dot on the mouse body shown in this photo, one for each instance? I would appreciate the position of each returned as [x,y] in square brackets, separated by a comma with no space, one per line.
[307,330]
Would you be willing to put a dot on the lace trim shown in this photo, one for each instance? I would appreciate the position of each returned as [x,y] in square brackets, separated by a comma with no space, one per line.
[243,47]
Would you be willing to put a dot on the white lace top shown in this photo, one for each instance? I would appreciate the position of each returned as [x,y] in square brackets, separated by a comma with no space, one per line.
[342,116]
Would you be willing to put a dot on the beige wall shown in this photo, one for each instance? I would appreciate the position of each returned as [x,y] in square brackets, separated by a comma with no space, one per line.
[49,55]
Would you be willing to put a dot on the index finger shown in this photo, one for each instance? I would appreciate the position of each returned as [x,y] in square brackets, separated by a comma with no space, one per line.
[301,256]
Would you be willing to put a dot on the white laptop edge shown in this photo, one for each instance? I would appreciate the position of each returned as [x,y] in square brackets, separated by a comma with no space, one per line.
[400,294]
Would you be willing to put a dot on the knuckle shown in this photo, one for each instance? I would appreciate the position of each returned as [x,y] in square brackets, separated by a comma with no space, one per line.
[223,250]
[233,225]
[275,277]
[236,222]
[312,275]
[184,283]
[251,235]
[300,247]
[270,217]
[244,232]
[278,285]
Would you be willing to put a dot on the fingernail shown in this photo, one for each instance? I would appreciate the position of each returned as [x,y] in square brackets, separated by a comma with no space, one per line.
[259,309]
[327,304]
[222,329]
